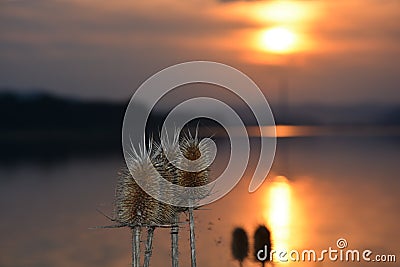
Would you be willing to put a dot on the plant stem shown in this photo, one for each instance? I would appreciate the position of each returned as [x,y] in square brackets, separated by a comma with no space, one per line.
[174,241]
[136,246]
[149,246]
[192,238]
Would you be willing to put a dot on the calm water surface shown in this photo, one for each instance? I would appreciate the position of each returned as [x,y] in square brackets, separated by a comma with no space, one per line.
[320,189]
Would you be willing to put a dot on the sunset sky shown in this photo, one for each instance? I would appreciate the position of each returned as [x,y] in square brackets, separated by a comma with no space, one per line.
[329,68]
[330,52]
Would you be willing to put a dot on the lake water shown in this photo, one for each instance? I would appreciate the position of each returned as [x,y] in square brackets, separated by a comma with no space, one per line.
[320,189]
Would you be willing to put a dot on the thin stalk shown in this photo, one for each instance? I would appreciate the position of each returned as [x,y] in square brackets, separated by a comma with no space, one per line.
[149,246]
[174,241]
[192,238]
[136,246]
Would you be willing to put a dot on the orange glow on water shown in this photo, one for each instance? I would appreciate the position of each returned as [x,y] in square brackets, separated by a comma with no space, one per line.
[278,212]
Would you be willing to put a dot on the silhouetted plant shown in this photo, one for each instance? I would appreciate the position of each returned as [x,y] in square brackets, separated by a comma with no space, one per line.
[240,245]
[262,240]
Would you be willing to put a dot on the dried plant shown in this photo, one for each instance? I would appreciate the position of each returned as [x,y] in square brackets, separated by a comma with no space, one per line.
[136,209]
[262,238]
[149,246]
[193,150]
[169,172]
[240,245]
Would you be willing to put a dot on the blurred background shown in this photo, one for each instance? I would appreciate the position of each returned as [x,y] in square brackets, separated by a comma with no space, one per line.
[329,70]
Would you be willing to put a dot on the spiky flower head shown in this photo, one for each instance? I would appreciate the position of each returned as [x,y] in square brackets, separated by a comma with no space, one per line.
[133,205]
[195,151]
[195,155]
[166,156]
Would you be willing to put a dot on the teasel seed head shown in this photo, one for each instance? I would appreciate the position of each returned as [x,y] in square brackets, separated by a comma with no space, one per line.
[133,205]
[193,150]
[165,159]
[166,156]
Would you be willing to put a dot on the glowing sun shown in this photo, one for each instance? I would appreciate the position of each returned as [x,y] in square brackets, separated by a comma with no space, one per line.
[277,40]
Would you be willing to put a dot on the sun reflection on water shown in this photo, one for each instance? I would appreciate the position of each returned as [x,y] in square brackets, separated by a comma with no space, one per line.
[277,214]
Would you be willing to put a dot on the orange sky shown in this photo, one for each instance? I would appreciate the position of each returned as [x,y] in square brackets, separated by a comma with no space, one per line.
[338,51]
